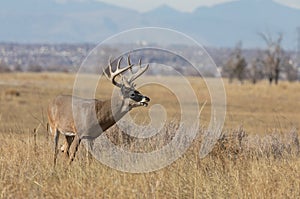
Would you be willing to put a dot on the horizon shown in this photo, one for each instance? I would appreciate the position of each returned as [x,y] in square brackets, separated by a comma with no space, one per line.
[148,5]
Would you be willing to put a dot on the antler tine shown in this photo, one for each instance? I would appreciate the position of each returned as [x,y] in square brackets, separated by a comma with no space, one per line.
[139,72]
[103,70]
[128,60]
[129,63]
[108,76]
[117,72]
[119,63]
[109,66]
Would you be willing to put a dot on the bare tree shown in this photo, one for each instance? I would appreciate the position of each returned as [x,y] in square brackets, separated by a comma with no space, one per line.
[255,70]
[236,65]
[273,58]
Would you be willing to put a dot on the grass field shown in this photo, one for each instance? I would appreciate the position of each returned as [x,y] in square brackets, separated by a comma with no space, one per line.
[256,156]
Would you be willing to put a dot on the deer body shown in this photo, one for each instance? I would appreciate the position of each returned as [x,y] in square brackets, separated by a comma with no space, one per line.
[77,118]
[59,118]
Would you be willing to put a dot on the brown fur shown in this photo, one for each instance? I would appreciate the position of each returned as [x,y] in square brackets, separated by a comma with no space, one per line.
[79,118]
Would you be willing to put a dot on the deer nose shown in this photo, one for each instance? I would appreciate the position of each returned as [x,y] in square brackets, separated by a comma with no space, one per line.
[147,99]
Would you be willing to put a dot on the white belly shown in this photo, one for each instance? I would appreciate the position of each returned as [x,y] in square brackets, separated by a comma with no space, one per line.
[68,133]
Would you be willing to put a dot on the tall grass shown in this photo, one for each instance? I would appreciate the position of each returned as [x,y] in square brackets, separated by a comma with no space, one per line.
[239,166]
[256,156]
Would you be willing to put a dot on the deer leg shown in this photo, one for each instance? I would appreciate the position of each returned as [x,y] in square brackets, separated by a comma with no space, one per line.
[90,144]
[56,138]
[68,142]
[74,148]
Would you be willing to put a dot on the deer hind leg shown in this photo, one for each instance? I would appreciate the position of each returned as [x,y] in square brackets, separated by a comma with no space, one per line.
[74,148]
[56,138]
[67,144]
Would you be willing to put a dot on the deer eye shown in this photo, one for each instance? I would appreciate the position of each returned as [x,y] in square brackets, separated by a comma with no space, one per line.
[132,94]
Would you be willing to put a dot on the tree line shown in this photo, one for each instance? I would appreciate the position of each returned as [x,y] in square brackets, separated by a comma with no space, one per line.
[273,64]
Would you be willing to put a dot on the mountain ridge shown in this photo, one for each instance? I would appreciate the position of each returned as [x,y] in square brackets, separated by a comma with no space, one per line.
[221,25]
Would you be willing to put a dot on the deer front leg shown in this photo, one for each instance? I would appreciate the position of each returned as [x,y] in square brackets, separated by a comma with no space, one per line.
[56,138]
[74,148]
[90,146]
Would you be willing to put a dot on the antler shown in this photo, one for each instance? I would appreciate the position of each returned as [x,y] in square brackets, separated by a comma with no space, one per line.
[112,75]
[140,71]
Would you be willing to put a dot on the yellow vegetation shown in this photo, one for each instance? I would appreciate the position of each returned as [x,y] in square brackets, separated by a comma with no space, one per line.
[257,156]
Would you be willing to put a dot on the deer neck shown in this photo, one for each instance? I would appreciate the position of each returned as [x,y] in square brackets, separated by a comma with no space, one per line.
[108,112]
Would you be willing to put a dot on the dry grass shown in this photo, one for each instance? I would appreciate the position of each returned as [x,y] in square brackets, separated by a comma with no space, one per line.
[257,156]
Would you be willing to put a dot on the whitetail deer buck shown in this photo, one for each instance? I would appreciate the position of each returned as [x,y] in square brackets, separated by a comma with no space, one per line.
[62,108]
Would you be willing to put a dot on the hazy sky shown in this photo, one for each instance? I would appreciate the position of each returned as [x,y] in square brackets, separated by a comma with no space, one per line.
[188,5]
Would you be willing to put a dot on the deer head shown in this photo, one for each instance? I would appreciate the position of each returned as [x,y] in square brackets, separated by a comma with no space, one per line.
[131,97]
